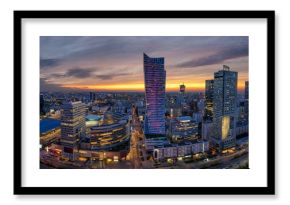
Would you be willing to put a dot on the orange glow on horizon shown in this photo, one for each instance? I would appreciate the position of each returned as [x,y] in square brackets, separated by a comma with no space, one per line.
[140,87]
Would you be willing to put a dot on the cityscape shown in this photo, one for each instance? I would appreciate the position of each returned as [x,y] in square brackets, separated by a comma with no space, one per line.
[137,102]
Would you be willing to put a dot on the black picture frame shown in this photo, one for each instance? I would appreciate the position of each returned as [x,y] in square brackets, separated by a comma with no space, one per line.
[268,190]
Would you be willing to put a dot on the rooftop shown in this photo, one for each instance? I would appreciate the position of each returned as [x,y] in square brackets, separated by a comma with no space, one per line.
[184,118]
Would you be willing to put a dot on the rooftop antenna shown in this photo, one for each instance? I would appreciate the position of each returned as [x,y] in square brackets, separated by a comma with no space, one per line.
[225,67]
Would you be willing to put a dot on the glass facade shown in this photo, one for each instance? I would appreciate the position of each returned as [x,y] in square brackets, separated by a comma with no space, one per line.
[109,136]
[208,114]
[155,79]
[225,106]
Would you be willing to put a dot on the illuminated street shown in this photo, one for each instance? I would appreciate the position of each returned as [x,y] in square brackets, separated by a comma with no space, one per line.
[136,142]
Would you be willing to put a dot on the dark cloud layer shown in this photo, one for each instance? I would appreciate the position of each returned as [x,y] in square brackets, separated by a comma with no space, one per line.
[75,73]
[219,57]
[79,72]
[111,76]
[46,63]
[45,86]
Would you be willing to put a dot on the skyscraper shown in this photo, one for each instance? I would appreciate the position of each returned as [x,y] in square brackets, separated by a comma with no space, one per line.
[42,104]
[182,88]
[92,96]
[247,100]
[73,128]
[246,90]
[224,107]
[155,79]
[208,112]
[181,97]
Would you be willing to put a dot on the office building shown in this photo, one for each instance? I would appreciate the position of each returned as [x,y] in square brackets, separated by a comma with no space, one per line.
[182,150]
[155,77]
[207,129]
[181,97]
[73,128]
[224,108]
[109,136]
[247,100]
[246,90]
[42,111]
[183,129]
[208,111]
[92,97]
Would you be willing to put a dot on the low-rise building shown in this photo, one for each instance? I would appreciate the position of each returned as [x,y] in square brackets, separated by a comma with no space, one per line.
[163,152]
[183,129]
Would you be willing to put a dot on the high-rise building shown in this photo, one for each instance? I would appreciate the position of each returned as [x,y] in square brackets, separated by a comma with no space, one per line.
[155,79]
[182,88]
[183,129]
[247,100]
[224,107]
[181,97]
[208,112]
[92,96]
[246,90]
[73,128]
[42,104]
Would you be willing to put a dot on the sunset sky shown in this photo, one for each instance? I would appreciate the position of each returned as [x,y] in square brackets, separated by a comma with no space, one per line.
[115,63]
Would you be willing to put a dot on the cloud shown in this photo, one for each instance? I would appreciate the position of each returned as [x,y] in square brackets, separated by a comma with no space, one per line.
[105,76]
[46,86]
[75,73]
[56,75]
[86,73]
[110,76]
[79,72]
[219,57]
[47,63]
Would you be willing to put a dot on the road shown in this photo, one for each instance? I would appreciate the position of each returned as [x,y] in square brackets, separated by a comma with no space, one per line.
[49,138]
[219,162]
[137,138]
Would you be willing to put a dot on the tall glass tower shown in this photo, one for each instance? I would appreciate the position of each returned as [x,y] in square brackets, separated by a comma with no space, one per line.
[225,106]
[155,79]
[209,91]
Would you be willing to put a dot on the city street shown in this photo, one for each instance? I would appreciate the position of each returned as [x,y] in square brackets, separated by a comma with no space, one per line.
[136,141]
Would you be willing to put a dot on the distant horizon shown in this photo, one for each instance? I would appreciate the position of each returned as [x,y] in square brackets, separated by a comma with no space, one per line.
[112,91]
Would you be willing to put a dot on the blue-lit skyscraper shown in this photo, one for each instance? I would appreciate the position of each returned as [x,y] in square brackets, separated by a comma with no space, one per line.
[155,79]
[224,107]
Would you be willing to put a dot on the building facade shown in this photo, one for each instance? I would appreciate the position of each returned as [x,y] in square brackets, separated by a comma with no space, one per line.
[181,97]
[155,79]
[42,111]
[225,108]
[106,137]
[92,97]
[208,111]
[73,128]
[247,100]
[183,129]
[246,90]
[207,129]
[180,150]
